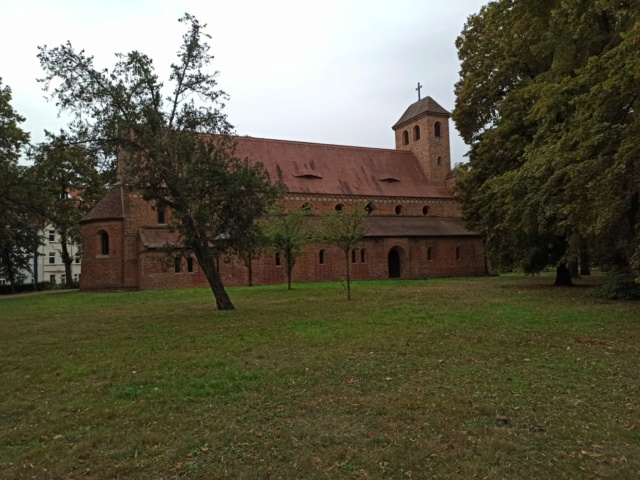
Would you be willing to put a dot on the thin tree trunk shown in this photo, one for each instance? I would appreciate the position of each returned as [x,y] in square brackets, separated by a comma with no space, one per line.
[584,263]
[223,302]
[66,259]
[250,271]
[35,270]
[563,275]
[289,270]
[346,256]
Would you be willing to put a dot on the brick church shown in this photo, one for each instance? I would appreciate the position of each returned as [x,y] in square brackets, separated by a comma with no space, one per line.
[413,222]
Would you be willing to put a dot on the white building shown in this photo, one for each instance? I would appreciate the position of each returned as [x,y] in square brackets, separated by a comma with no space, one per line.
[53,267]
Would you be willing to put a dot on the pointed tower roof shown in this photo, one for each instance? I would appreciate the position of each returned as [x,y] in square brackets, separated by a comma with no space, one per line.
[426,106]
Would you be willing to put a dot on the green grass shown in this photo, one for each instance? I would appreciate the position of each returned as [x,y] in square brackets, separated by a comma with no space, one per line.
[500,377]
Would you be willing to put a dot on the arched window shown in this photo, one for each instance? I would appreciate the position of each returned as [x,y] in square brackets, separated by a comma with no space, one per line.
[363,256]
[416,132]
[457,253]
[306,208]
[160,210]
[177,264]
[190,264]
[353,256]
[405,138]
[339,207]
[425,210]
[437,128]
[398,209]
[321,257]
[440,162]
[429,253]
[104,243]
[278,262]
[369,208]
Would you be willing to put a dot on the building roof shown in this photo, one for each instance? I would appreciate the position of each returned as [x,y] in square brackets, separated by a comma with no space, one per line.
[110,207]
[416,227]
[160,237]
[420,108]
[313,168]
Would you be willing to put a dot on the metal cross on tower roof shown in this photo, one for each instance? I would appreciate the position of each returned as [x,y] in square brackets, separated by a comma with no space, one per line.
[418,90]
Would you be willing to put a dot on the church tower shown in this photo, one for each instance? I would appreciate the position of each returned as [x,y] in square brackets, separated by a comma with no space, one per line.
[424,130]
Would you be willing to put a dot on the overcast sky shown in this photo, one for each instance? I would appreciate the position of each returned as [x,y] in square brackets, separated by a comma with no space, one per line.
[340,72]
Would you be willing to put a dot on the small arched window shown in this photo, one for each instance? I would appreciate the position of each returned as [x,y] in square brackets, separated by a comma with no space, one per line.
[363,255]
[416,132]
[457,253]
[339,207]
[177,264]
[425,210]
[353,256]
[429,253]
[405,138]
[437,129]
[278,262]
[104,243]
[160,210]
[398,209]
[440,162]
[321,257]
[190,265]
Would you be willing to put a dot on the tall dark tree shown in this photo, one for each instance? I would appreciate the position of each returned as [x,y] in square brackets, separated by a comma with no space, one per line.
[547,103]
[287,233]
[344,229]
[174,147]
[19,196]
[69,175]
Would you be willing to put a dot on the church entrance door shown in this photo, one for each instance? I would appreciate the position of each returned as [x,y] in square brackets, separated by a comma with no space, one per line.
[394,263]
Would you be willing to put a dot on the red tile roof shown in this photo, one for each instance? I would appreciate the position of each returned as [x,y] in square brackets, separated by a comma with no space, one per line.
[313,168]
[420,108]
[110,207]
[416,227]
[158,237]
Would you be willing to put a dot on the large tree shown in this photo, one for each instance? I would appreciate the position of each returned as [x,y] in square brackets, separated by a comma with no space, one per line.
[18,196]
[344,229]
[547,102]
[174,146]
[70,177]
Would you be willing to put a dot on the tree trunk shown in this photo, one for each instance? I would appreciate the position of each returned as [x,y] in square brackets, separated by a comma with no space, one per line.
[573,269]
[346,257]
[584,263]
[563,275]
[35,270]
[289,270]
[250,271]
[223,302]
[66,259]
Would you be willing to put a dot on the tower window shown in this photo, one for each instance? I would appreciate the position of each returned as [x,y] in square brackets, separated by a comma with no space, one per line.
[160,210]
[440,162]
[405,138]
[425,210]
[416,132]
[437,128]
[398,209]
[104,243]
[321,257]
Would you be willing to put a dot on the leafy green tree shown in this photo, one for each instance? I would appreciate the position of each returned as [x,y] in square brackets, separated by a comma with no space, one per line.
[70,178]
[288,233]
[344,229]
[175,147]
[18,196]
[546,101]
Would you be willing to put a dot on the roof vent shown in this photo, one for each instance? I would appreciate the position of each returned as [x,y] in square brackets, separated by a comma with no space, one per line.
[307,175]
[389,180]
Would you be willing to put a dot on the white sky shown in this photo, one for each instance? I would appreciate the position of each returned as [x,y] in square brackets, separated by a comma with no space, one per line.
[340,72]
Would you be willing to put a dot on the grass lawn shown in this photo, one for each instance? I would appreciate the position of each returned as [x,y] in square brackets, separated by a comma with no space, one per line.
[501,377]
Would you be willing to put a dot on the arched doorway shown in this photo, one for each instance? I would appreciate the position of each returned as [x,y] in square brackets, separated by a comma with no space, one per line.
[395,263]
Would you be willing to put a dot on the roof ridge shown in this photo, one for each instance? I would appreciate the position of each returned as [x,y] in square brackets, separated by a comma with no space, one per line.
[356,147]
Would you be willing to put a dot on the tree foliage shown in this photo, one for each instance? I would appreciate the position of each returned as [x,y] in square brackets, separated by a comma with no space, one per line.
[287,233]
[70,178]
[344,229]
[547,102]
[19,196]
[174,146]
